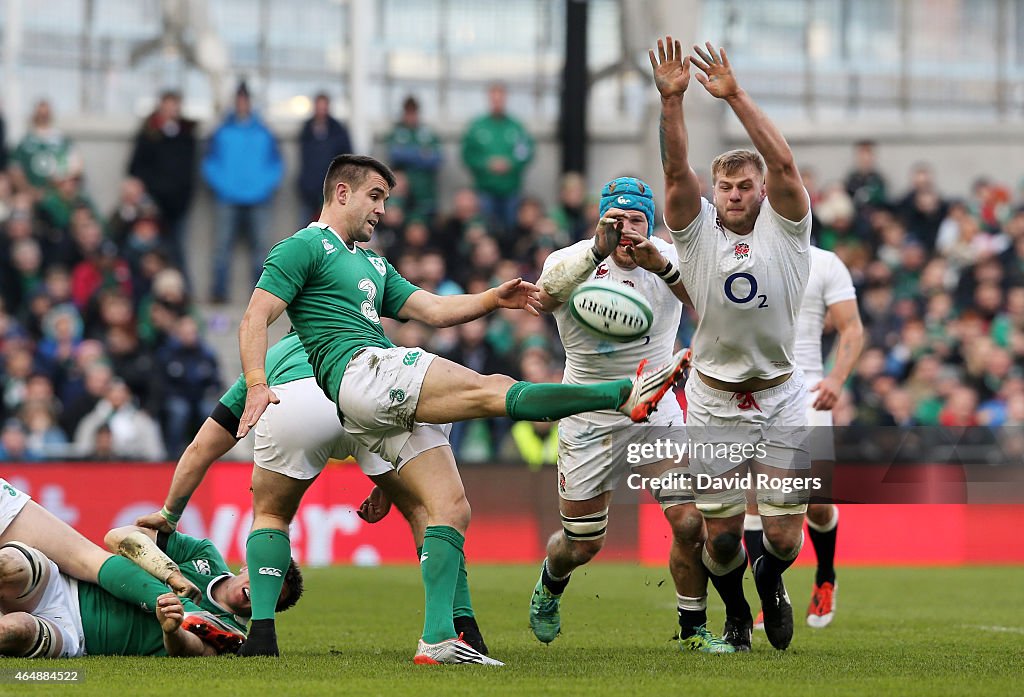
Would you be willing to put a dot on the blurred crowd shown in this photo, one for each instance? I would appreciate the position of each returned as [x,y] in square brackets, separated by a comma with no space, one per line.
[101,337]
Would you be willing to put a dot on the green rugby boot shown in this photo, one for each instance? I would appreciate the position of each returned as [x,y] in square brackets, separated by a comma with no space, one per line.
[544,618]
[705,642]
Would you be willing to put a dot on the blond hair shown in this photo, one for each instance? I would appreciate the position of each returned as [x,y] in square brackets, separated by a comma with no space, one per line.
[733,161]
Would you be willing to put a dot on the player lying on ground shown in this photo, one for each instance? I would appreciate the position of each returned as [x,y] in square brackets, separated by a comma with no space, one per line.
[336,292]
[593,447]
[830,297]
[23,520]
[294,440]
[49,614]
[745,262]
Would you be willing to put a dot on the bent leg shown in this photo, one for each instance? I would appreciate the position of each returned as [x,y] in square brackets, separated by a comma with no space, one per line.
[69,549]
[26,636]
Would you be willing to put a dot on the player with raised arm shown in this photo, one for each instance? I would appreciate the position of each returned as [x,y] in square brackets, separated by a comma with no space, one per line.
[745,263]
[592,447]
[294,441]
[390,398]
[830,298]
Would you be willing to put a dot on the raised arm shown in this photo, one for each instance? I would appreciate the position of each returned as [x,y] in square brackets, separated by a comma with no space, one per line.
[139,545]
[845,317]
[264,308]
[783,183]
[559,280]
[682,188]
[449,310]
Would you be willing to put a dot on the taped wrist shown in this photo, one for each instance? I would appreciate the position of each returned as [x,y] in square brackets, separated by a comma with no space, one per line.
[561,280]
[670,274]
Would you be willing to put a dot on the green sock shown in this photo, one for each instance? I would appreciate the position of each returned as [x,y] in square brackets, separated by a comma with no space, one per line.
[439,564]
[126,581]
[462,606]
[266,549]
[542,401]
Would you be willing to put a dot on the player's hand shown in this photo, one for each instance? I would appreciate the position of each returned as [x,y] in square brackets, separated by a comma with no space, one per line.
[642,251]
[155,521]
[375,507]
[828,394]
[609,232]
[170,613]
[518,294]
[184,588]
[257,399]
[718,78]
[671,68]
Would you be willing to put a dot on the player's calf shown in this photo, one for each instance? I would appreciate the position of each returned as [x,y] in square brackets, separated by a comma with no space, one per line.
[26,636]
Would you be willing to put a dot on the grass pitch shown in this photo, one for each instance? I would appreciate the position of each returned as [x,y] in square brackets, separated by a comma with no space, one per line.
[920,631]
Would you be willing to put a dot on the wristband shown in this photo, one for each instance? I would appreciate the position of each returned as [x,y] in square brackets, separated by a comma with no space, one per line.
[670,274]
[170,517]
[491,299]
[256,376]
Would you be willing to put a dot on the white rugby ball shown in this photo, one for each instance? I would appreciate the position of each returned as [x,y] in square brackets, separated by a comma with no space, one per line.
[611,310]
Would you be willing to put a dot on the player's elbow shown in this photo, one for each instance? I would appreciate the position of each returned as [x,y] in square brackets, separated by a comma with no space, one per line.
[782,166]
[112,540]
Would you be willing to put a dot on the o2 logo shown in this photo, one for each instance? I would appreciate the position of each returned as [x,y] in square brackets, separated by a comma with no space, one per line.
[751,290]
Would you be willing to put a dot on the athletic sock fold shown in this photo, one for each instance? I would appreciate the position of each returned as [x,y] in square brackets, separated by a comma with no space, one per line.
[555,584]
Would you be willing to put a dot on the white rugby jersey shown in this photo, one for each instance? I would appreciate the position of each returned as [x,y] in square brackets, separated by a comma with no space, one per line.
[829,283]
[747,291]
[589,359]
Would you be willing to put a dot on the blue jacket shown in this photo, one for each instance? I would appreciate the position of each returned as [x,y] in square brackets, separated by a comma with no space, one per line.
[242,164]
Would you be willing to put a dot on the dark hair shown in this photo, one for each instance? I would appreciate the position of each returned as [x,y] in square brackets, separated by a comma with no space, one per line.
[353,170]
[410,104]
[293,587]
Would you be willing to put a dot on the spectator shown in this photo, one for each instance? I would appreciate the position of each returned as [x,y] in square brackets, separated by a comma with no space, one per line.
[135,434]
[164,159]
[133,203]
[43,437]
[569,213]
[922,209]
[321,139]
[14,443]
[81,400]
[102,269]
[42,153]
[497,148]
[243,167]
[416,149]
[62,198]
[189,376]
[865,184]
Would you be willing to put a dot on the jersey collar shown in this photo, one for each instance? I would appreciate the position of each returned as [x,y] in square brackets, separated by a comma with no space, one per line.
[209,596]
[325,226]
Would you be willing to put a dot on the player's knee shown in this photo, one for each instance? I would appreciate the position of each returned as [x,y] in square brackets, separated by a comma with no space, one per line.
[725,544]
[820,513]
[491,390]
[585,550]
[687,524]
[18,632]
[785,542]
[13,565]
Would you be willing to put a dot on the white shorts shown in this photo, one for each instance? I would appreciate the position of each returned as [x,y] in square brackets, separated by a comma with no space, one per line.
[379,393]
[593,458]
[767,426]
[12,501]
[59,605]
[297,437]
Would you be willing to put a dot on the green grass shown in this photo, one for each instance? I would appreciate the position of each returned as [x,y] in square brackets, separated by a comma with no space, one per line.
[947,631]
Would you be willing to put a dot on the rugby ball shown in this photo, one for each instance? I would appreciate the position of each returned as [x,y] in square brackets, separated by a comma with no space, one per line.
[611,310]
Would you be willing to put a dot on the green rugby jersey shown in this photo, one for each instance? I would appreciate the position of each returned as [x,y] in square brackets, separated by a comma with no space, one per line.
[286,362]
[336,297]
[113,627]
